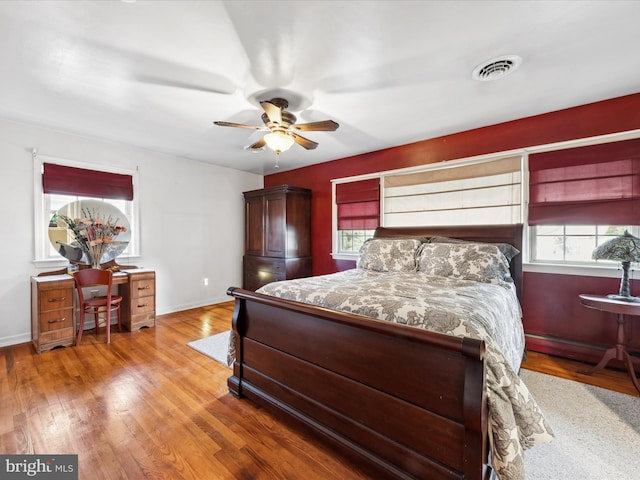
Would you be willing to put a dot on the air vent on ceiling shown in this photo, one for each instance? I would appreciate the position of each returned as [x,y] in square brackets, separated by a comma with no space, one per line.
[496,68]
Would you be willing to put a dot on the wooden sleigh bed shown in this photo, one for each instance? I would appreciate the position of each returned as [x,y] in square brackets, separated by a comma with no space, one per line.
[341,375]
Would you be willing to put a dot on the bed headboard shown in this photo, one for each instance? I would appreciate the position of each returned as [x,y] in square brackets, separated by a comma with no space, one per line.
[511,234]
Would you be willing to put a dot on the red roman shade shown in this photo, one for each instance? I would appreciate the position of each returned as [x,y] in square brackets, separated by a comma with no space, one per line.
[358,205]
[63,180]
[591,185]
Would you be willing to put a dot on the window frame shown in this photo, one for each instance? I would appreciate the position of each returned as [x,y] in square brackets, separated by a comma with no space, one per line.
[533,236]
[41,210]
[589,268]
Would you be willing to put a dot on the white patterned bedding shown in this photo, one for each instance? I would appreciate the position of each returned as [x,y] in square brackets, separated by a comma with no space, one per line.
[454,306]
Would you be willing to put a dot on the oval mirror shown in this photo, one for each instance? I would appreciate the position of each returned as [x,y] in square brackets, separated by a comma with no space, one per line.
[89,231]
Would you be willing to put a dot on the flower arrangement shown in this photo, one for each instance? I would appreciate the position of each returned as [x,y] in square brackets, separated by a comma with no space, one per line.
[93,234]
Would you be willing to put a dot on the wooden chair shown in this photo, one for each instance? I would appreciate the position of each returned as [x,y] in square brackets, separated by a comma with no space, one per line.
[106,304]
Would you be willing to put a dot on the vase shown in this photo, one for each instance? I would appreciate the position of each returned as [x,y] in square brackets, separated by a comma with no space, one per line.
[94,261]
[95,255]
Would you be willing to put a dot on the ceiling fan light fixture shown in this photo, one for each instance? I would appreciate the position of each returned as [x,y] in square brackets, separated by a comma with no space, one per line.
[278,141]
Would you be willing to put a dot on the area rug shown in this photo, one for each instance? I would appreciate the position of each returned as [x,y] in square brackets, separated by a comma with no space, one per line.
[215,346]
[597,432]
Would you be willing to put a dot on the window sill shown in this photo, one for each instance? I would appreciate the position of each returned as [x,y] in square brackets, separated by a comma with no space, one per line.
[345,256]
[579,270]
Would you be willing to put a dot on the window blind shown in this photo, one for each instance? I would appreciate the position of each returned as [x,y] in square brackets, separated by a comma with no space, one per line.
[487,192]
[64,180]
[358,205]
[595,184]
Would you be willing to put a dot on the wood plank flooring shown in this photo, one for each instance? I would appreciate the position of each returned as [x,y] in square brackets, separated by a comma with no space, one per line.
[616,380]
[147,406]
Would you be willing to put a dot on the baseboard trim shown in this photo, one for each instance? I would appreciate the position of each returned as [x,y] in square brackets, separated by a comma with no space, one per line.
[15,339]
[581,352]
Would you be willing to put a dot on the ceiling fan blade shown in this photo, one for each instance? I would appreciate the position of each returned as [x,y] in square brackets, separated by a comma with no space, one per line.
[259,145]
[151,70]
[304,142]
[273,111]
[240,125]
[323,126]
[270,51]
[191,85]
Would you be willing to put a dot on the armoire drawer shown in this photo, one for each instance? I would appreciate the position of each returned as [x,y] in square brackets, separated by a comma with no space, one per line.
[265,264]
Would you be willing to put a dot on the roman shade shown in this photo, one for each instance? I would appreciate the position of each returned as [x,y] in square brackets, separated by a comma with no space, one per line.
[64,180]
[484,192]
[358,205]
[591,185]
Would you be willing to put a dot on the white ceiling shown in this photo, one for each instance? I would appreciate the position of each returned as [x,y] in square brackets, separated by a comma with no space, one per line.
[157,74]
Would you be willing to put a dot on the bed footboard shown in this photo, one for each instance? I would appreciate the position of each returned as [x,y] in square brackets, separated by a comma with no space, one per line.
[408,402]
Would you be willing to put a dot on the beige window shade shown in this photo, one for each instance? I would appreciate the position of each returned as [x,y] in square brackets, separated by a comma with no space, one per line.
[481,193]
[475,170]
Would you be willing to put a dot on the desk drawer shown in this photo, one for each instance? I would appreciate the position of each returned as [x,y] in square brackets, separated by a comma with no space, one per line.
[56,299]
[142,320]
[143,287]
[56,320]
[142,305]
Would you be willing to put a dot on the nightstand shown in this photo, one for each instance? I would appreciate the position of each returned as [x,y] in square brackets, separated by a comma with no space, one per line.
[619,352]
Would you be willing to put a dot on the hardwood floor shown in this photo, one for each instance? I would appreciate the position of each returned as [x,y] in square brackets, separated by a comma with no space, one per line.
[616,380]
[149,406]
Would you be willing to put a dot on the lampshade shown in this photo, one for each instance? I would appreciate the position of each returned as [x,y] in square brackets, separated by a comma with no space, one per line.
[278,141]
[625,249]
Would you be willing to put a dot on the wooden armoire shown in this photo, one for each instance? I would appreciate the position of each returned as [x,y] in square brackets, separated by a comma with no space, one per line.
[277,235]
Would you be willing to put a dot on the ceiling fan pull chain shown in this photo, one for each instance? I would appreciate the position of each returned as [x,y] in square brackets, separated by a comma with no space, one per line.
[277,159]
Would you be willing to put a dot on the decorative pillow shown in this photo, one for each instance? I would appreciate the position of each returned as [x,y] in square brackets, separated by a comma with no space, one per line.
[507,249]
[469,261]
[389,254]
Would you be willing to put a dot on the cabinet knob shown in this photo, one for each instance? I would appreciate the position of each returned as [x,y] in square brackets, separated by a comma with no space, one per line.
[58,320]
[58,299]
[144,305]
[146,287]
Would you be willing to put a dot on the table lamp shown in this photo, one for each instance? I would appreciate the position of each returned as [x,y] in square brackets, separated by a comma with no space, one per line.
[625,249]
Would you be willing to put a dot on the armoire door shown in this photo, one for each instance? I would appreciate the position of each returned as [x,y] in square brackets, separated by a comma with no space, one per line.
[275,215]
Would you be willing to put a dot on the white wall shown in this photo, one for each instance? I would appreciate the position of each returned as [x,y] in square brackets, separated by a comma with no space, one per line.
[191,213]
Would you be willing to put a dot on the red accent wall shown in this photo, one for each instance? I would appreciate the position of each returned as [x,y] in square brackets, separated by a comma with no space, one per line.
[547,298]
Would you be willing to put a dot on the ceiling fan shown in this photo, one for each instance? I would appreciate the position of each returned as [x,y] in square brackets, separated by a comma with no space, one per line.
[282,128]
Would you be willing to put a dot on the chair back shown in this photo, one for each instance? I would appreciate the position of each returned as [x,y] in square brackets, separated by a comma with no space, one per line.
[93,277]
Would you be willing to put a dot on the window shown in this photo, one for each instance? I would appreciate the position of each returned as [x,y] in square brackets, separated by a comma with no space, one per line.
[582,197]
[358,213]
[58,182]
[572,243]
[350,241]
[54,202]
